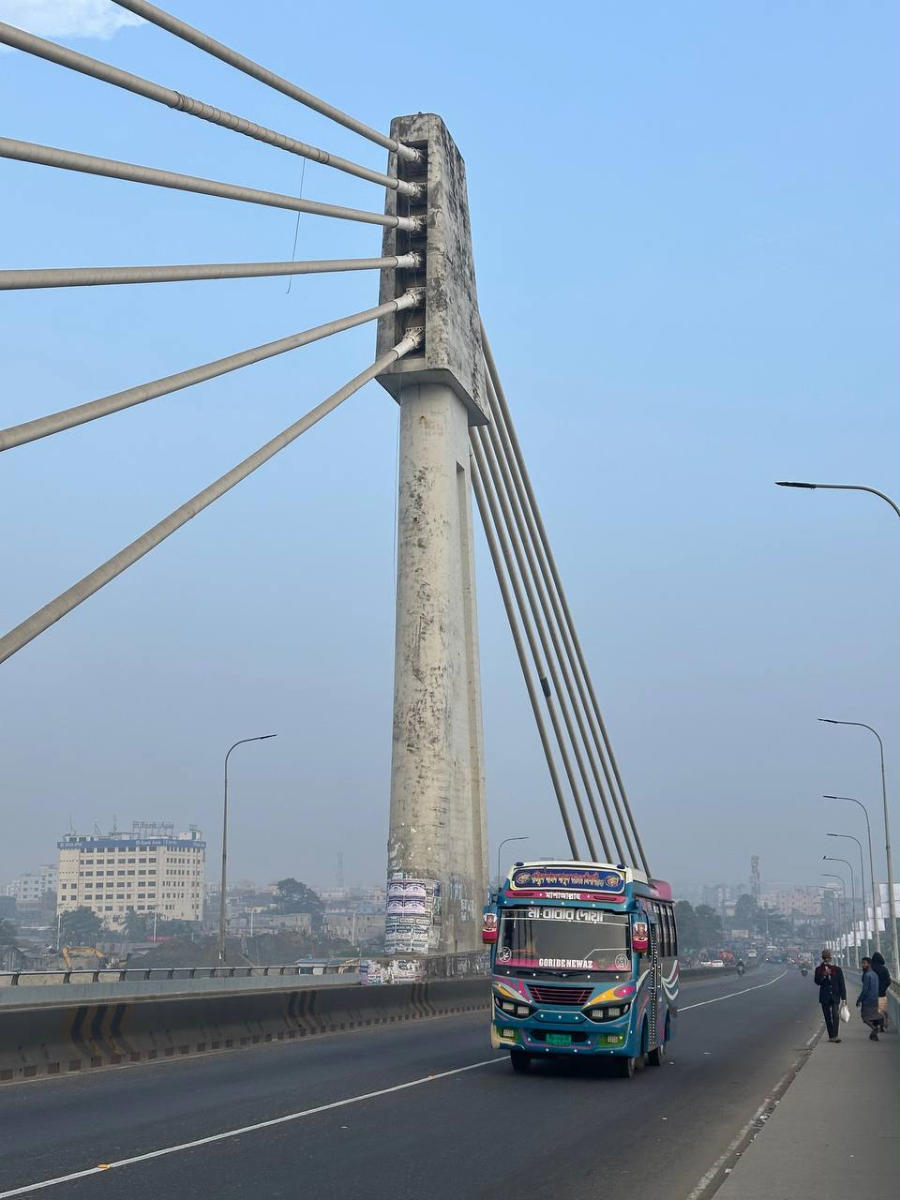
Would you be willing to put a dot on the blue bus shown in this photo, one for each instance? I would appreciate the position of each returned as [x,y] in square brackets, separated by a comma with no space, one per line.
[584,961]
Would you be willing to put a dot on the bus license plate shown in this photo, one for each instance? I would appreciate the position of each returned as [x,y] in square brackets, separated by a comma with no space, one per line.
[559,1039]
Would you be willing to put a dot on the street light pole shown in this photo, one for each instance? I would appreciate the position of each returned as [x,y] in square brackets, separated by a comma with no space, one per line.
[875,902]
[842,487]
[862,884]
[892,905]
[843,883]
[523,838]
[262,738]
[849,866]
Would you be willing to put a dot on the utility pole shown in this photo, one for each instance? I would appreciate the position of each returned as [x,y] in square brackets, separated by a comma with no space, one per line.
[437,846]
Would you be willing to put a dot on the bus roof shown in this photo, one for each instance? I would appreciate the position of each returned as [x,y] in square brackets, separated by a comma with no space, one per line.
[571,867]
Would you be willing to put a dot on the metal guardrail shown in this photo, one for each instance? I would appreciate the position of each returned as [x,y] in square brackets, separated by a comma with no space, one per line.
[26,978]
[437,966]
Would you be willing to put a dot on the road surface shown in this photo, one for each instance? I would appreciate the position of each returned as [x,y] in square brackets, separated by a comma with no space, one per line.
[423,1111]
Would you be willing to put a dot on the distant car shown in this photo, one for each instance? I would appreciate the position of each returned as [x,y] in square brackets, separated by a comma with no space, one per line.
[752,954]
[715,962]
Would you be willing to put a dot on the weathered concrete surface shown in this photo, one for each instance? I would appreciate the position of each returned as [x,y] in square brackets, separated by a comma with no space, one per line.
[437,824]
[453,350]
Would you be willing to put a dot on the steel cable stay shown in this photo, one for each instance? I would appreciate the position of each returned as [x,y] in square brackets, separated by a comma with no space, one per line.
[561,607]
[53,277]
[62,56]
[532,570]
[98,578]
[521,652]
[233,58]
[40,427]
[593,743]
[522,606]
[548,650]
[70,160]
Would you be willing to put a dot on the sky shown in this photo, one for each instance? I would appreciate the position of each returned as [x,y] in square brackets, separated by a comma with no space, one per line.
[685,232]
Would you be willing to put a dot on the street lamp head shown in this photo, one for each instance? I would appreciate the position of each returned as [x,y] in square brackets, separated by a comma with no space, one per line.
[786,483]
[828,720]
[265,737]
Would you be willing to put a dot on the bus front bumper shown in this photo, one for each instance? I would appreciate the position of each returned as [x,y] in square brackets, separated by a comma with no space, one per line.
[566,1033]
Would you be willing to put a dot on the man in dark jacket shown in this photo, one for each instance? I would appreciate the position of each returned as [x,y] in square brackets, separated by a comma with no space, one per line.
[884,982]
[832,993]
[867,1001]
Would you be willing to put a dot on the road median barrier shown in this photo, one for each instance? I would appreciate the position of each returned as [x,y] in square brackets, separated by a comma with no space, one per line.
[62,1038]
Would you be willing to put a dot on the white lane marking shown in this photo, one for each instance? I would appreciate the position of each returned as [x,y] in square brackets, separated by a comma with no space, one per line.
[715,1000]
[230,1133]
[307,1112]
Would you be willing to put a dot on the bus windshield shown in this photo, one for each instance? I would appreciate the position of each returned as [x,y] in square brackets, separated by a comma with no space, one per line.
[573,940]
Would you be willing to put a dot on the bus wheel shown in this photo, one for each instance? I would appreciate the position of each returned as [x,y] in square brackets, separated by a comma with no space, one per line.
[626,1067]
[657,1057]
[521,1062]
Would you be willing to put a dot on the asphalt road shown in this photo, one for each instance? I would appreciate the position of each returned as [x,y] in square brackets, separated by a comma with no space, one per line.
[423,1111]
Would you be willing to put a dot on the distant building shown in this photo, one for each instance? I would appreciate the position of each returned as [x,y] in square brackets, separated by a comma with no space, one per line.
[793,902]
[151,869]
[354,926]
[718,895]
[29,889]
[264,921]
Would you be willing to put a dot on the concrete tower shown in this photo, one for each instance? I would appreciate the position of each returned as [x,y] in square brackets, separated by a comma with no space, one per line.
[437,851]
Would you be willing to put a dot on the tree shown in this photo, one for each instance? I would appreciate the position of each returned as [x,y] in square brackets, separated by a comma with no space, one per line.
[686,922]
[770,921]
[745,912]
[8,932]
[709,925]
[81,927]
[295,897]
[137,927]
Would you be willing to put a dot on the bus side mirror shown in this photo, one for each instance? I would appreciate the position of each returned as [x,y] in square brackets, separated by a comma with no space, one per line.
[489,928]
[640,937]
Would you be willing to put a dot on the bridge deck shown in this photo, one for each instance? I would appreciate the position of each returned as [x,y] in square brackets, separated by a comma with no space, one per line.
[471,1132]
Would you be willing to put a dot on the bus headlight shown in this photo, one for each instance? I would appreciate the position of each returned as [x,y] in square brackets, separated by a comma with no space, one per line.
[512,1008]
[608,1012]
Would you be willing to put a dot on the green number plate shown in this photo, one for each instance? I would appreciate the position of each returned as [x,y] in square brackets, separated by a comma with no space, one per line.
[559,1039]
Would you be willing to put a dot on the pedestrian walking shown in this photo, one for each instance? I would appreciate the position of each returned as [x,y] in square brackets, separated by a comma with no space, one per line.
[884,982]
[867,1000]
[832,993]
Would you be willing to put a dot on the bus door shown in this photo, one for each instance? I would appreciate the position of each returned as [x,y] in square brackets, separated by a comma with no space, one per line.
[653,983]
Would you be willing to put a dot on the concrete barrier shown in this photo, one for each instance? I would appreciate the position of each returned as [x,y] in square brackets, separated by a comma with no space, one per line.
[59,1038]
[96,991]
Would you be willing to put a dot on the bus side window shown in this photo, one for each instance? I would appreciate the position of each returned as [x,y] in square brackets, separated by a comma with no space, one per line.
[667,941]
[661,931]
[674,931]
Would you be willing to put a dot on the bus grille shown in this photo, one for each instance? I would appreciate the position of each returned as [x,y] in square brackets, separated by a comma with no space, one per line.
[569,996]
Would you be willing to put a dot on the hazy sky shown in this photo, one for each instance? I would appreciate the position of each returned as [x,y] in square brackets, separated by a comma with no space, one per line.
[686,241]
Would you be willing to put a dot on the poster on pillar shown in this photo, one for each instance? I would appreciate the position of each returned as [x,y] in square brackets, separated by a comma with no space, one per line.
[412,921]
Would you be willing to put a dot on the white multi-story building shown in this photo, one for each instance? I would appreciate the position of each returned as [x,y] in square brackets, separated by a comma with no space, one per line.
[149,870]
[29,888]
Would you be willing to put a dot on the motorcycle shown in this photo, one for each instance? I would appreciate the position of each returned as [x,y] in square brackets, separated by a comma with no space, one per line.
[804,971]
[740,968]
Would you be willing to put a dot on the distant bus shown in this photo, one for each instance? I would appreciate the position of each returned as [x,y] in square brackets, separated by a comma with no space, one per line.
[583,963]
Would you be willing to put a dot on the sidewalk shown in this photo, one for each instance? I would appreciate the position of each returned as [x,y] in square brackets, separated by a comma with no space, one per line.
[836,1131]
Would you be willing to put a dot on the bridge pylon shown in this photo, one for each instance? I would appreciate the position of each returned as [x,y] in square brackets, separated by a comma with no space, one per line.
[437,844]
